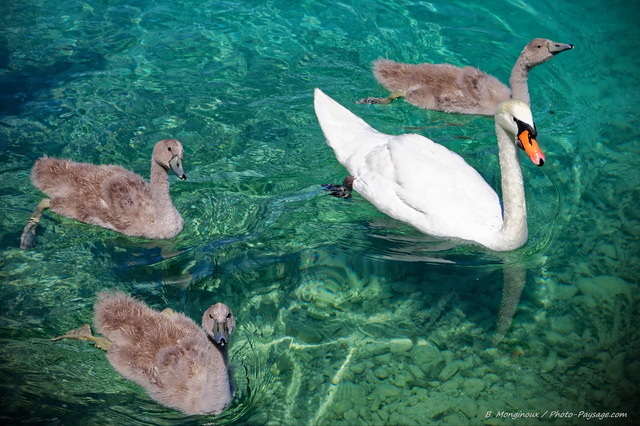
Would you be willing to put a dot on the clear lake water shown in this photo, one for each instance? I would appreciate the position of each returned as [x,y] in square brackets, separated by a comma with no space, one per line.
[345,316]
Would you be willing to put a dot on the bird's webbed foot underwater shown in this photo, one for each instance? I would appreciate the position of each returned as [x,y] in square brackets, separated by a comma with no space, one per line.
[84,333]
[340,191]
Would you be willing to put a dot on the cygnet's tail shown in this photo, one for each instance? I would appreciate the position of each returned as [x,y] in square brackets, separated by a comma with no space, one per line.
[116,312]
[394,76]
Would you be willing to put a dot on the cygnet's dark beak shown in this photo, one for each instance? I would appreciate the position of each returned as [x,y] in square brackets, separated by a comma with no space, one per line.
[220,333]
[176,166]
[555,48]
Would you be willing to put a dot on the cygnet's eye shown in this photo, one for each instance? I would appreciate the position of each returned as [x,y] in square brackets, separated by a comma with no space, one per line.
[169,148]
[211,316]
[229,315]
[539,46]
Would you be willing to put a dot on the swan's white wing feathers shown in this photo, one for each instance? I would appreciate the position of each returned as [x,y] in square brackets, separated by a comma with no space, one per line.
[448,196]
[348,135]
[424,184]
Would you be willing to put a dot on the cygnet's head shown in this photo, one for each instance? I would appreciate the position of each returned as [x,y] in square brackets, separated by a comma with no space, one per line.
[218,323]
[540,50]
[168,154]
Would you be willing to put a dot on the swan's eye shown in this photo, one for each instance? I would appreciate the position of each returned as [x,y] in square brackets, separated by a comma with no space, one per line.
[169,148]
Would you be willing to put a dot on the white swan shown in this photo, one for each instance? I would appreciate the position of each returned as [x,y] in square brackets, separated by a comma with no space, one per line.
[417,181]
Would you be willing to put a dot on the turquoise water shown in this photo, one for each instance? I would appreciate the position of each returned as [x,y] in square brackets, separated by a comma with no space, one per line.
[344,315]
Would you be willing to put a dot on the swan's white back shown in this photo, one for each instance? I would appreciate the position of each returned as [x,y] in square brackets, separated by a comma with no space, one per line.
[411,178]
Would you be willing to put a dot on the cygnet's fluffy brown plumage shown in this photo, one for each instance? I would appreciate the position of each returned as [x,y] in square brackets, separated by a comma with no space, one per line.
[111,196]
[180,365]
[467,90]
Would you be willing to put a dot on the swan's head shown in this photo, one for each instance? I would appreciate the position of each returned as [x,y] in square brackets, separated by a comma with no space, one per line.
[218,323]
[515,117]
[168,154]
[540,50]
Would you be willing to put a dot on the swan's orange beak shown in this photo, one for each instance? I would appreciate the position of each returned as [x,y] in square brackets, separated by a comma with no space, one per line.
[530,146]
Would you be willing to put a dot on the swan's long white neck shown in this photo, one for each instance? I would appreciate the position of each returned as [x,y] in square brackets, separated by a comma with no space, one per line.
[513,233]
[518,81]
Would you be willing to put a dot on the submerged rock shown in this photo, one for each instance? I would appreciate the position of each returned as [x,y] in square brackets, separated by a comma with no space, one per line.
[604,288]
[417,372]
[400,345]
[562,324]
[347,397]
[615,368]
[381,373]
[473,386]
[387,391]
[469,408]
[449,370]
[609,251]
[428,357]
